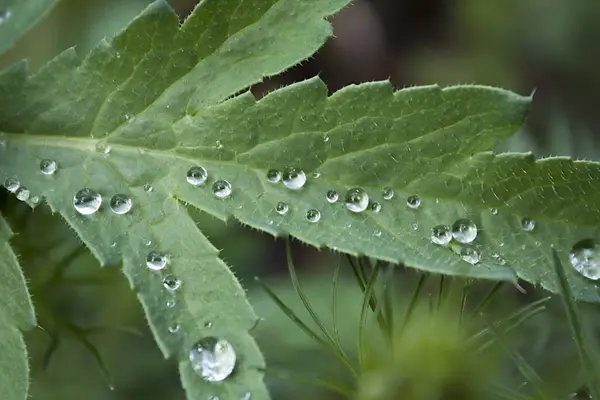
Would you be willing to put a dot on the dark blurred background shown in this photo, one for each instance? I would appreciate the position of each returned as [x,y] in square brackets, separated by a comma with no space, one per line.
[551,46]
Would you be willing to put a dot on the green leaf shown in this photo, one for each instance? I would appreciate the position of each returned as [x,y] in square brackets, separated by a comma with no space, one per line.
[16,315]
[69,109]
[18,16]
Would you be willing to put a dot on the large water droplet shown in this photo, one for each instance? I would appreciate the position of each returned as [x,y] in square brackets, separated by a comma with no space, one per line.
[387,193]
[23,193]
[357,200]
[441,234]
[585,258]
[293,178]
[48,167]
[332,196]
[313,215]
[528,224]
[156,260]
[376,207]
[171,283]
[120,204]
[273,175]
[213,359]
[464,230]
[282,208]
[87,201]
[196,175]
[12,184]
[221,189]
[470,254]
[413,201]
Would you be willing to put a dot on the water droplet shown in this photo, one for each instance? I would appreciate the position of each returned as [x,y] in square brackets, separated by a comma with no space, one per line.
[528,224]
[127,117]
[273,175]
[34,200]
[387,193]
[470,254]
[87,201]
[12,184]
[23,193]
[270,222]
[171,283]
[170,303]
[325,138]
[376,207]
[494,211]
[293,178]
[148,242]
[156,260]
[213,398]
[208,324]
[585,258]
[316,175]
[148,188]
[464,230]
[173,328]
[441,234]
[357,200]
[413,201]
[213,359]
[313,215]
[246,396]
[48,167]
[499,259]
[332,196]
[120,204]
[196,175]
[501,244]
[377,233]
[102,147]
[113,244]
[414,226]
[282,208]
[221,189]
[218,145]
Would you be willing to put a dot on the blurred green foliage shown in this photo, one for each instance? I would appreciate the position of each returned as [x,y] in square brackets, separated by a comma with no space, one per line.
[551,45]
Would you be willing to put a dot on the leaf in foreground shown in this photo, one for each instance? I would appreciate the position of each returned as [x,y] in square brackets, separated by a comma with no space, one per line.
[16,315]
[150,77]
[18,16]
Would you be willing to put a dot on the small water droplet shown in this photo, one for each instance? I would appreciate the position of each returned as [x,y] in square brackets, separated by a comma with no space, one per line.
[270,222]
[413,201]
[376,207]
[218,145]
[387,193]
[23,193]
[148,242]
[499,259]
[171,283]
[501,244]
[441,234]
[213,398]
[87,201]
[273,175]
[12,184]
[246,396]
[127,117]
[213,359]
[102,147]
[48,167]
[538,243]
[325,138]
[464,230]
[293,178]
[34,200]
[470,254]
[585,258]
[221,189]
[313,215]
[332,196]
[173,328]
[357,200]
[148,188]
[196,175]
[208,324]
[528,224]
[282,208]
[414,226]
[316,175]
[494,211]
[156,260]
[120,204]
[170,303]
[377,233]
[113,244]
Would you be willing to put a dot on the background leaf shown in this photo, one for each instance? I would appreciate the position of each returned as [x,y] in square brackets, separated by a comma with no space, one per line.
[18,16]
[16,315]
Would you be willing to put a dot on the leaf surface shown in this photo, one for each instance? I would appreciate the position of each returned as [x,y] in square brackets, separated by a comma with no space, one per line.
[16,315]
[150,77]
[18,16]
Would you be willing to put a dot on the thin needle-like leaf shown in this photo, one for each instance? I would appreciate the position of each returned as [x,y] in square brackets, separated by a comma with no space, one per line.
[328,384]
[334,302]
[363,313]
[413,301]
[486,300]
[584,349]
